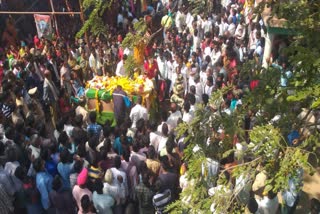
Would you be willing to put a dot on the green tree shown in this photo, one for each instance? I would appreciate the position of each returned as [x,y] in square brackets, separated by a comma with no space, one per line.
[94,22]
[268,150]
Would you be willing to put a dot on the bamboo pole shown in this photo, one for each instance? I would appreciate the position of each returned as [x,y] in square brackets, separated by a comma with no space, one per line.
[44,13]
[54,18]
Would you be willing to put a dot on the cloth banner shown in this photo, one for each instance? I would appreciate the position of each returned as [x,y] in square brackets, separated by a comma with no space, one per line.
[43,24]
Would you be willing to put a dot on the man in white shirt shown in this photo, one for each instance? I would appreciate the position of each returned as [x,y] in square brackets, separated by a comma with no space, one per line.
[196,41]
[173,117]
[120,72]
[215,55]
[116,171]
[187,114]
[138,112]
[231,27]
[164,138]
[209,86]
[180,20]
[189,19]
[93,62]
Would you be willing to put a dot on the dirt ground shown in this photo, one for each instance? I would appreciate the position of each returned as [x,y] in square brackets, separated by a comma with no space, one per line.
[311,189]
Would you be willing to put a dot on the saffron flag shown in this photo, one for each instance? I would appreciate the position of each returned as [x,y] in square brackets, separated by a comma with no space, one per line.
[43,24]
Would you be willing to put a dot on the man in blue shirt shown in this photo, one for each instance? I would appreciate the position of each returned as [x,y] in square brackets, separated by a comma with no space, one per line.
[43,182]
[93,128]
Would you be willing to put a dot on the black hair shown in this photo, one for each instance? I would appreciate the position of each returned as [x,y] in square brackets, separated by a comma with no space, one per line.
[164,160]
[19,173]
[64,156]
[106,130]
[170,144]
[164,115]
[98,186]
[151,152]
[205,98]
[56,183]
[63,138]
[140,124]
[93,116]
[11,154]
[165,129]
[186,106]
[93,141]
[37,165]
[117,162]
[85,203]
[135,146]
[60,125]
[77,167]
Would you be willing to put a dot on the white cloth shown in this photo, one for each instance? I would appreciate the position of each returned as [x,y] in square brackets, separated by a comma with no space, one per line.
[267,205]
[232,29]
[162,65]
[116,191]
[208,90]
[215,56]
[115,182]
[173,120]
[187,117]
[138,112]
[155,138]
[196,43]
[162,143]
[120,72]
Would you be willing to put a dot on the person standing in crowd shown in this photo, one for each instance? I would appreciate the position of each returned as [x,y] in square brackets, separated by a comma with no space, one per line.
[50,96]
[118,97]
[43,182]
[94,129]
[138,112]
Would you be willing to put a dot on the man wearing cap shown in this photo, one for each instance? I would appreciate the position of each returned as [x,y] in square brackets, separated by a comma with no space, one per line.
[81,189]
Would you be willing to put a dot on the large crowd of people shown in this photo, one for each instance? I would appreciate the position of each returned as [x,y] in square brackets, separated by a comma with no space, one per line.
[56,158]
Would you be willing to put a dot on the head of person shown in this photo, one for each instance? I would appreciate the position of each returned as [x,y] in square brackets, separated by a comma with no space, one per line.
[56,183]
[139,100]
[140,125]
[186,107]
[209,80]
[65,156]
[205,99]
[173,107]
[164,116]
[165,129]
[38,165]
[77,167]
[117,162]
[86,204]
[11,154]
[93,142]
[151,154]
[93,116]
